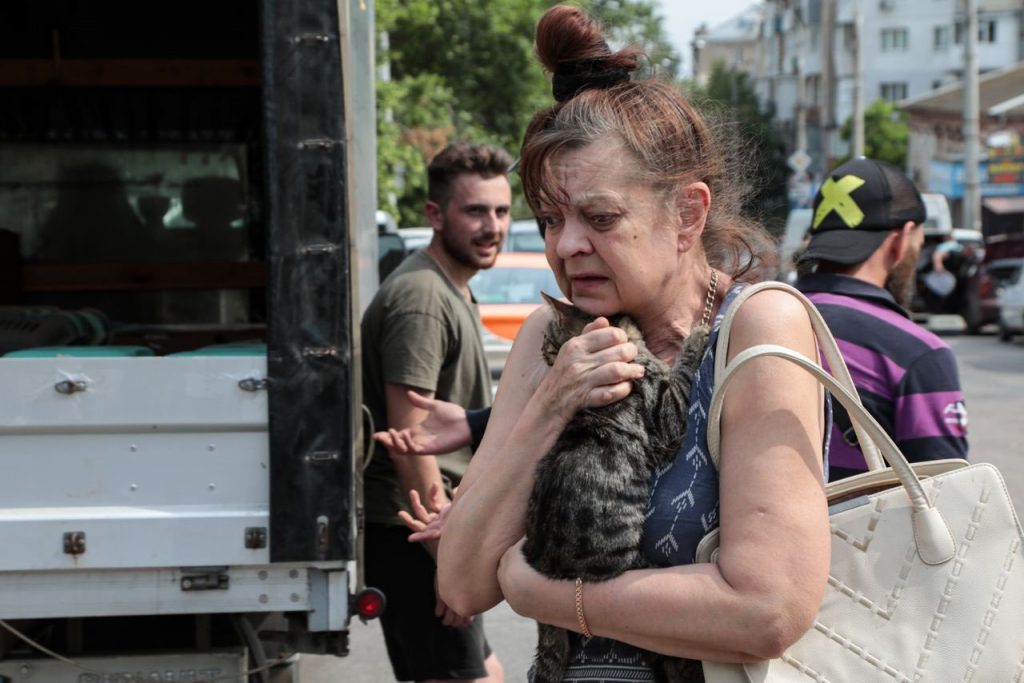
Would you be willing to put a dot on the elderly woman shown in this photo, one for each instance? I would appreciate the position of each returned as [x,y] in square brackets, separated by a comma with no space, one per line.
[635,207]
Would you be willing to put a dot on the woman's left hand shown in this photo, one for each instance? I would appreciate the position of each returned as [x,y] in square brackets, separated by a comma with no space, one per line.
[514,575]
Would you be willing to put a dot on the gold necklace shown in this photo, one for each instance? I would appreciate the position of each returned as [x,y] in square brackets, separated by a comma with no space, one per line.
[709,299]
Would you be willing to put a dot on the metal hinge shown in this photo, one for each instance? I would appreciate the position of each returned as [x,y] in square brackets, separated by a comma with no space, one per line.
[74,542]
[255,537]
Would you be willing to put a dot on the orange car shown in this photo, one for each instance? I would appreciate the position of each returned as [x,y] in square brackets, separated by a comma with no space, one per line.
[510,290]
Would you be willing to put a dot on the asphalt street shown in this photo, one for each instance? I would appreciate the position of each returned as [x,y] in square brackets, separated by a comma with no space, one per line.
[992,374]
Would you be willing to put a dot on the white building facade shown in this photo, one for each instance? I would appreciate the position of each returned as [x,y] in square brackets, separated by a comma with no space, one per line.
[805,61]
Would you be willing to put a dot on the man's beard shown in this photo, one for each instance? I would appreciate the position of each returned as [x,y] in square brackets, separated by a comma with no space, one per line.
[900,282]
[463,252]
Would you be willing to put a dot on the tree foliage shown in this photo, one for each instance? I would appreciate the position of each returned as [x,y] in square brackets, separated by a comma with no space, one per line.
[464,69]
[885,133]
[755,146]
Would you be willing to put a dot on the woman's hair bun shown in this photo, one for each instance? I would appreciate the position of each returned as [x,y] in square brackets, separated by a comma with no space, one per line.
[570,43]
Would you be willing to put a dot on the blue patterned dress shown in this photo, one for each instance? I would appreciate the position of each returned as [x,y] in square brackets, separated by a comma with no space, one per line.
[682,510]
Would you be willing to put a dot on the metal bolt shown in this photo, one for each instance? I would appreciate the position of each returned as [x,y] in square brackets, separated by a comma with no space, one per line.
[186,584]
[133,487]
[211,448]
[263,575]
[212,486]
[264,599]
[294,574]
[295,597]
[133,448]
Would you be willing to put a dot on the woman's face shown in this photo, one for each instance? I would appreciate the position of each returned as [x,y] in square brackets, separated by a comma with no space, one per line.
[615,245]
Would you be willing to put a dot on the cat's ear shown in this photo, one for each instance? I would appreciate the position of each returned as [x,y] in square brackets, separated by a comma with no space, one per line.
[563,310]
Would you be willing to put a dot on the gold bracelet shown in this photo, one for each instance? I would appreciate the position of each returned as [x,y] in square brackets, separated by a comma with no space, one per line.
[580,617]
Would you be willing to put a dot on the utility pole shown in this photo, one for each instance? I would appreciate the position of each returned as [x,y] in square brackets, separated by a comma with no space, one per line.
[972,188]
[858,83]
[801,107]
[828,82]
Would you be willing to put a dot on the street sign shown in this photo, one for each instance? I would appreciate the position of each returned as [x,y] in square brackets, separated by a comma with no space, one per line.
[799,161]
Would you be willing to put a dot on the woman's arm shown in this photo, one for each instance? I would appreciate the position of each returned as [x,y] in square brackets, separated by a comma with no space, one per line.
[532,406]
[767,585]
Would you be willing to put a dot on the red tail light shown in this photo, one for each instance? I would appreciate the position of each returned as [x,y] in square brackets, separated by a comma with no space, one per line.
[985,285]
[369,603]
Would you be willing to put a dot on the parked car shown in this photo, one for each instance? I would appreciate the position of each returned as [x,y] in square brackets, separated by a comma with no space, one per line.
[524,236]
[510,290]
[1011,303]
[992,279]
[391,250]
[416,238]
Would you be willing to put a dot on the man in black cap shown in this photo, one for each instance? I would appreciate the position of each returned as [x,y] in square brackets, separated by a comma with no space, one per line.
[866,236]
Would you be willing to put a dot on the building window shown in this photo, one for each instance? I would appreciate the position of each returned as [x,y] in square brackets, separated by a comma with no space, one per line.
[940,38]
[986,31]
[894,92]
[894,39]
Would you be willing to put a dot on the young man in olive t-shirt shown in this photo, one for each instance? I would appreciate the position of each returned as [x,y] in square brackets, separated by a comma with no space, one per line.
[421,333]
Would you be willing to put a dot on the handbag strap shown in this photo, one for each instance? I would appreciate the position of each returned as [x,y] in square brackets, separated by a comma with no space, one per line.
[934,540]
[826,343]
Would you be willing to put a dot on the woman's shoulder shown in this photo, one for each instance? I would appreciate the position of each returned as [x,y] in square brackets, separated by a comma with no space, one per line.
[770,316]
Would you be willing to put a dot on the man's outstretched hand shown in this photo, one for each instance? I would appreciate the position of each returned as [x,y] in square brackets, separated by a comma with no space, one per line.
[443,430]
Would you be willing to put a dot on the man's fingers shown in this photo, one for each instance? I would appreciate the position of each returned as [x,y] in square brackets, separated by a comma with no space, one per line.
[385,438]
[418,508]
[414,524]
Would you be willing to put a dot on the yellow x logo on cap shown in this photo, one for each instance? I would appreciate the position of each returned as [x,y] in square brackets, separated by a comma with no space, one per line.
[835,196]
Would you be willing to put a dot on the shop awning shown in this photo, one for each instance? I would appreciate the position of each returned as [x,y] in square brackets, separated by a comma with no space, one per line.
[1003,205]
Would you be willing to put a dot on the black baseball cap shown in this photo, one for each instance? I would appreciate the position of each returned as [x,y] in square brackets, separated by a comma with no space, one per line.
[856,207]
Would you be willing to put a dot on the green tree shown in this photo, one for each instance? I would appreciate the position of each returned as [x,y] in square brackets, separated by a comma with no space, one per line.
[463,69]
[755,145]
[885,133]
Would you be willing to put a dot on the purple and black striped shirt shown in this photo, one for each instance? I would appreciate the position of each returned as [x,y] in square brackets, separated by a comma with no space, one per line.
[907,377]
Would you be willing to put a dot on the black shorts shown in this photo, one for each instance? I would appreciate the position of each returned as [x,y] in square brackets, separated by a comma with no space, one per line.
[419,645]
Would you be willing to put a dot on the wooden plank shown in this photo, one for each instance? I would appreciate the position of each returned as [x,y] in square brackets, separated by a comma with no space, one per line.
[130,72]
[110,277]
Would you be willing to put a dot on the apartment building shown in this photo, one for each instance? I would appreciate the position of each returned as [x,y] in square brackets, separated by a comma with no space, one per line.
[804,57]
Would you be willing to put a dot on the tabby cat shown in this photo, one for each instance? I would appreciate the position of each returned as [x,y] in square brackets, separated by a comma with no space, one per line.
[585,514]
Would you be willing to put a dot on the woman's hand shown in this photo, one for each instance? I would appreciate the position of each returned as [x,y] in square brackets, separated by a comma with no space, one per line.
[513,577]
[591,370]
[442,431]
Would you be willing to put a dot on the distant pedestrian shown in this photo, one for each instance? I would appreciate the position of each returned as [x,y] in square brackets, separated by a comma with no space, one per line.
[421,335]
[866,238]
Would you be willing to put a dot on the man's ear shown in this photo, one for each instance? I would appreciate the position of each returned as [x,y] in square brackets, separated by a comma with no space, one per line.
[435,215]
[903,238]
[692,203]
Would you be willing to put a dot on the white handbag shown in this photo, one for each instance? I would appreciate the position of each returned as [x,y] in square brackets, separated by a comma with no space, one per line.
[926,581]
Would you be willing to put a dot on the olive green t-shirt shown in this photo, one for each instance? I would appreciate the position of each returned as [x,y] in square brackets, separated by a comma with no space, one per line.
[419,331]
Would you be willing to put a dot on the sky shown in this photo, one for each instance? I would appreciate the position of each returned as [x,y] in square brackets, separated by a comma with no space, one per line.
[682,17]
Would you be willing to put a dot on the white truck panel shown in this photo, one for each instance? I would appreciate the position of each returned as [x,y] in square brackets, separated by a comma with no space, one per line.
[86,593]
[154,462]
[193,666]
[164,393]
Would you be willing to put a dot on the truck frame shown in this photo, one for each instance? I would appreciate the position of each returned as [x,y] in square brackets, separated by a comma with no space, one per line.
[181,494]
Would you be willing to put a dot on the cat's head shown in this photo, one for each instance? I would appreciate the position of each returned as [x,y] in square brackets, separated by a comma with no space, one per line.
[568,321]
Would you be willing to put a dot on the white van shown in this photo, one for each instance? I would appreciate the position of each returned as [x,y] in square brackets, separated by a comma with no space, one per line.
[938,220]
[798,223]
